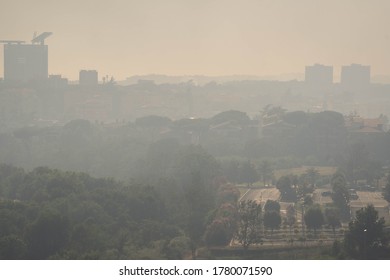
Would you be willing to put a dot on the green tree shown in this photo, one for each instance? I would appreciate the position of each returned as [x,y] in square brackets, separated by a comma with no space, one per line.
[320,135]
[232,115]
[284,185]
[314,218]
[366,238]
[272,220]
[290,216]
[248,173]
[160,157]
[228,194]
[217,233]
[249,224]
[332,218]
[340,195]
[232,171]
[195,172]
[308,200]
[272,205]
[271,110]
[176,248]
[374,172]
[48,235]
[357,160]
[196,198]
[312,175]
[12,247]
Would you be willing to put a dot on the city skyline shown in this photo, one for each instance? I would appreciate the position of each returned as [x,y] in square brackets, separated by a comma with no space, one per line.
[212,38]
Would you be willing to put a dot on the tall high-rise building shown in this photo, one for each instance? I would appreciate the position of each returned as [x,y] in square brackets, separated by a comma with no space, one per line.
[319,75]
[355,76]
[26,62]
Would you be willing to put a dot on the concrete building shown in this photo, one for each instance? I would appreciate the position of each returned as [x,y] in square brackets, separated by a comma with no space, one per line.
[319,75]
[88,77]
[26,62]
[355,76]
[57,81]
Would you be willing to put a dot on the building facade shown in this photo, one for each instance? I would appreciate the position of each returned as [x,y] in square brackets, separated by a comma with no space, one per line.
[318,74]
[88,77]
[25,62]
[355,76]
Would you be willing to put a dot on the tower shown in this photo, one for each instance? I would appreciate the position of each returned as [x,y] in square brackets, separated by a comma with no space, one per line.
[26,62]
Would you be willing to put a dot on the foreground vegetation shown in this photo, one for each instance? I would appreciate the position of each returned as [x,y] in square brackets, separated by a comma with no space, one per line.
[159,192]
[50,214]
[47,213]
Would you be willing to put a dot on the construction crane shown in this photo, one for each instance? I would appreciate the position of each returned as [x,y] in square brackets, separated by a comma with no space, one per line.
[41,38]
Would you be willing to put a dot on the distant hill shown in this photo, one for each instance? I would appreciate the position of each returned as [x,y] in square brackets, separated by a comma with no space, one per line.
[201,80]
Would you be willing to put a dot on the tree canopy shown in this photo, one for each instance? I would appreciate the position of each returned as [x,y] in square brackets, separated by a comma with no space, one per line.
[314,218]
[340,194]
[250,220]
[366,238]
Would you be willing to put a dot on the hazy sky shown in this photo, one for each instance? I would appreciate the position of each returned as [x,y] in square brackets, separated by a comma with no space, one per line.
[209,37]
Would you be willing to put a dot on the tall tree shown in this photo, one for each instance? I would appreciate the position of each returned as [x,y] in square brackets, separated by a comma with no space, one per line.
[232,115]
[249,223]
[284,185]
[196,197]
[248,173]
[232,171]
[308,200]
[272,205]
[366,238]
[12,247]
[195,172]
[358,157]
[272,220]
[312,175]
[290,216]
[218,233]
[332,218]
[340,195]
[314,218]
[48,235]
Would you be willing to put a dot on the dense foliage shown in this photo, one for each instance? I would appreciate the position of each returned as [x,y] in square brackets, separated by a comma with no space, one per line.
[175,196]
[120,150]
[366,238]
[47,213]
